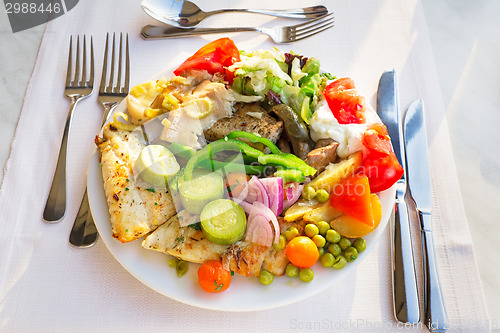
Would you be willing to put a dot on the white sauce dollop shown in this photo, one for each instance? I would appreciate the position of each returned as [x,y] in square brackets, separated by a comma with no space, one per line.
[349,136]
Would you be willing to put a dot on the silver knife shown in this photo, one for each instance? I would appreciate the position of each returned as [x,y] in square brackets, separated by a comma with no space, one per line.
[404,284]
[420,191]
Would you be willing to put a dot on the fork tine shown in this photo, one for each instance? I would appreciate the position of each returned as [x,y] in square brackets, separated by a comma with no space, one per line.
[91,79]
[102,87]
[68,72]
[313,29]
[77,62]
[83,81]
[117,87]
[112,70]
[314,32]
[127,69]
[313,22]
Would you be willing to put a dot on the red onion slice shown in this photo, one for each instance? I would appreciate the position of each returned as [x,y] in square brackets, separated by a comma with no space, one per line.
[293,192]
[274,188]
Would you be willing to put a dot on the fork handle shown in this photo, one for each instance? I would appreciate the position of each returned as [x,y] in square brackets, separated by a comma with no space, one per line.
[84,232]
[156,32]
[55,207]
[309,12]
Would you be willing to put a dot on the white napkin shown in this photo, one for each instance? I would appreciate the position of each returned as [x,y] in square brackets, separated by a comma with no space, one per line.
[47,285]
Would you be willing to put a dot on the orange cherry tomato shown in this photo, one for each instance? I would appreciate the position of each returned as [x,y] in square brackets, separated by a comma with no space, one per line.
[213,278]
[302,252]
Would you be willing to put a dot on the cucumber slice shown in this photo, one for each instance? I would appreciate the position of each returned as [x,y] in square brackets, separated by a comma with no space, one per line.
[223,222]
[198,192]
[156,165]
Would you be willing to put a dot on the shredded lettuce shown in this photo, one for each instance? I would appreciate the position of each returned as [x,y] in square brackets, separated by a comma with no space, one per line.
[295,79]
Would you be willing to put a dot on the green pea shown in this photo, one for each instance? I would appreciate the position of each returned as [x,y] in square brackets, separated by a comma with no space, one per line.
[351,253]
[360,244]
[291,233]
[265,277]
[281,245]
[181,268]
[344,243]
[340,262]
[322,195]
[334,249]
[323,227]
[321,251]
[308,193]
[319,240]
[292,270]
[327,260]
[333,236]
[172,263]
[306,274]
[311,230]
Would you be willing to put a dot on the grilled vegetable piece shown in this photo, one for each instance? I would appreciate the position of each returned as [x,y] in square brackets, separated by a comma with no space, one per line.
[295,129]
[135,210]
[301,207]
[323,212]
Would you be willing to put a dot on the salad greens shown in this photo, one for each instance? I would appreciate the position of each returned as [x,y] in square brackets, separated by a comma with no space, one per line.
[280,77]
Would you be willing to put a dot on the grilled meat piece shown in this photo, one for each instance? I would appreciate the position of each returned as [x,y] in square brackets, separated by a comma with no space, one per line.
[319,158]
[267,126]
[323,143]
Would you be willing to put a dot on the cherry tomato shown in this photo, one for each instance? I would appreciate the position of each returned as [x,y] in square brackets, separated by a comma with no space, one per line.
[302,251]
[379,161]
[352,197]
[346,104]
[213,278]
[214,57]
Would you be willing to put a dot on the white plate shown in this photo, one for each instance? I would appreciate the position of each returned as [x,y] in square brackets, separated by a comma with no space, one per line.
[244,294]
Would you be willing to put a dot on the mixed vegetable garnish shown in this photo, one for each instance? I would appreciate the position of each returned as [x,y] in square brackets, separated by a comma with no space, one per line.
[270,161]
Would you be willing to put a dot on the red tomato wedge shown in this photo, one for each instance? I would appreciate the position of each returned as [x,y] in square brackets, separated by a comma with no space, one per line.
[380,164]
[346,104]
[352,197]
[214,57]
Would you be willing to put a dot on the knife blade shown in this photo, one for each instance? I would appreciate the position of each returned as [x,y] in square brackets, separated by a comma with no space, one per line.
[420,191]
[405,295]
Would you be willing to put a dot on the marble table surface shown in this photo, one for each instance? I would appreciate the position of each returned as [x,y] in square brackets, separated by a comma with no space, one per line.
[465,43]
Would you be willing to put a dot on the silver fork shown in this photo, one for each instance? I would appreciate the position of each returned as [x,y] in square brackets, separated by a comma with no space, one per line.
[111,92]
[279,34]
[77,88]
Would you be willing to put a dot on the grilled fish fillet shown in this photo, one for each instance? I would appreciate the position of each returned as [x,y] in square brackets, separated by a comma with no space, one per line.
[134,210]
[185,243]
[189,244]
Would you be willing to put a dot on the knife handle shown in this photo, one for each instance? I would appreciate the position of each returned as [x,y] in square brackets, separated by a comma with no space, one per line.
[435,312]
[406,306]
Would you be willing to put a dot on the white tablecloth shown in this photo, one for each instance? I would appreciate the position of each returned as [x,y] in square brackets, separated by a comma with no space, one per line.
[48,286]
